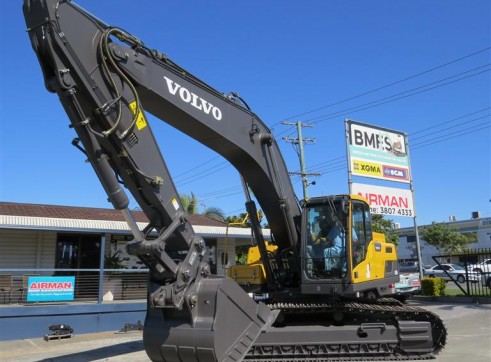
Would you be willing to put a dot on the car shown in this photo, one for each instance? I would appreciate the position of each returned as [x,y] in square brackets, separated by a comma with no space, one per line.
[486,280]
[408,267]
[457,272]
[408,285]
[482,267]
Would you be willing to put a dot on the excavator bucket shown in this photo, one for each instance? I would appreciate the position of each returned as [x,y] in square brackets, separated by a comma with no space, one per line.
[221,324]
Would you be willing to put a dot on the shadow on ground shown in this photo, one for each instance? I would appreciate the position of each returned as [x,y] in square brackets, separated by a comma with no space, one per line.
[99,353]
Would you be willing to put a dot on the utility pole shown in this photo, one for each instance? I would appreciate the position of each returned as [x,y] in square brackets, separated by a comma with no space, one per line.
[300,141]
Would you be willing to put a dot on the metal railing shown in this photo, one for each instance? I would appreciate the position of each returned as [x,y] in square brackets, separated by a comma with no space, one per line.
[91,285]
[476,272]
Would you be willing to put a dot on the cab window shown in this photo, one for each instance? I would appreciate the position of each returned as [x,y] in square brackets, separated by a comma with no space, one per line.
[361,231]
[325,252]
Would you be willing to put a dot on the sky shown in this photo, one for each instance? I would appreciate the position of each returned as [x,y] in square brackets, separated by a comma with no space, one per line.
[420,67]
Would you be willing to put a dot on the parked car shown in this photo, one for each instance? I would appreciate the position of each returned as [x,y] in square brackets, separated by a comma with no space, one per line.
[486,280]
[408,266]
[409,285]
[457,272]
[482,267]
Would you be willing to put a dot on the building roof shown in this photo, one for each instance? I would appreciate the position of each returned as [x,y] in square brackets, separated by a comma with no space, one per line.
[87,213]
[462,226]
[87,219]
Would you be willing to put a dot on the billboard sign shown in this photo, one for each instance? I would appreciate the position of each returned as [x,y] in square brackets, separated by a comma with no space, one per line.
[378,152]
[386,200]
[50,289]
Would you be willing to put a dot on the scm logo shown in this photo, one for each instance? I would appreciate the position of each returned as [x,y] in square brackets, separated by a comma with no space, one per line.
[396,173]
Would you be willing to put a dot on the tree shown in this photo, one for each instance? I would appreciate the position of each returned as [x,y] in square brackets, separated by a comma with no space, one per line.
[190,204]
[386,227]
[214,213]
[445,239]
[241,254]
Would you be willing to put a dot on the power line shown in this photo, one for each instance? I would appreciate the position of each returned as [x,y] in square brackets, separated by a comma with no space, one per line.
[385,100]
[202,175]
[457,125]
[327,167]
[388,85]
[197,173]
[426,143]
[458,133]
[194,168]
[354,109]
[218,192]
[452,120]
[333,160]
[336,164]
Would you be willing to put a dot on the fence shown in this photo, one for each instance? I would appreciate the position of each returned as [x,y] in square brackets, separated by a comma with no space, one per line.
[474,276]
[91,285]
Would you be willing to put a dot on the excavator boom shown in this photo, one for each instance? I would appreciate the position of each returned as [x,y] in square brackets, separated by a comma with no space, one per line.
[77,53]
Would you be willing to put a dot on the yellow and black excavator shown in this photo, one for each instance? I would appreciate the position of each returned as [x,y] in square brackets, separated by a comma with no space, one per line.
[330,245]
[315,291]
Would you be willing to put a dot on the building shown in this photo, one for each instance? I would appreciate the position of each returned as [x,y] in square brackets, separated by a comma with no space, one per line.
[406,249]
[51,240]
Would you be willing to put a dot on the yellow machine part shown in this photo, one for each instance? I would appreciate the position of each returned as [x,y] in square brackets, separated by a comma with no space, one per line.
[253,272]
[379,252]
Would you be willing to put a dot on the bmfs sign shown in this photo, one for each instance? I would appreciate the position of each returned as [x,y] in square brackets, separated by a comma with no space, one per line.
[50,289]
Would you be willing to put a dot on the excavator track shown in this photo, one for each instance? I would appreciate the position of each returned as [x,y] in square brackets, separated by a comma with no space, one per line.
[413,333]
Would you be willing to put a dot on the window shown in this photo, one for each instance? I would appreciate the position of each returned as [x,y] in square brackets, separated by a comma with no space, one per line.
[326,241]
[361,230]
[411,238]
[78,251]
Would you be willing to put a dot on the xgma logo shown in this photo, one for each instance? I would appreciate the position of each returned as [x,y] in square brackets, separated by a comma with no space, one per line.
[368,168]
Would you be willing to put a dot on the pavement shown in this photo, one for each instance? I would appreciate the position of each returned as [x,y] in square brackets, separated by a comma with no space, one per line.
[468,325]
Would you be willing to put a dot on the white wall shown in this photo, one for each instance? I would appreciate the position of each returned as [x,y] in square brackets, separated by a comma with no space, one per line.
[27,249]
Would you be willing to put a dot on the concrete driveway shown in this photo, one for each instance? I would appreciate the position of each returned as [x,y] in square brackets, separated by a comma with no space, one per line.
[469,339]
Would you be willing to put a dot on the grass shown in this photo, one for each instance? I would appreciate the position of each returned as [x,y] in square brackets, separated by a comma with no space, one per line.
[453,292]
[474,293]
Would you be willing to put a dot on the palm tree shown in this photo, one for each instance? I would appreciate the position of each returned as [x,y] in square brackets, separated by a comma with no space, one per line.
[190,204]
[214,213]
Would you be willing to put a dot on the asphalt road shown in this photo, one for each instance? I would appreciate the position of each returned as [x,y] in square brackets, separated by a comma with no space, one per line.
[468,325]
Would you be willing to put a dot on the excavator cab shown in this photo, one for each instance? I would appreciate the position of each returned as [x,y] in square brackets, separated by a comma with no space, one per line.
[339,254]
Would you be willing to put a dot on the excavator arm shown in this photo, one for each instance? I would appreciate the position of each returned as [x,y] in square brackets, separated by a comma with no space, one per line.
[104,77]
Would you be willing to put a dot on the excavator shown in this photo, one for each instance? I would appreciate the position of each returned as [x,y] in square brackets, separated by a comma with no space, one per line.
[314,302]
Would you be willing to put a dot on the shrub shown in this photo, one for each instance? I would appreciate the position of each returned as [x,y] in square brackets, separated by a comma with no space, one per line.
[433,287]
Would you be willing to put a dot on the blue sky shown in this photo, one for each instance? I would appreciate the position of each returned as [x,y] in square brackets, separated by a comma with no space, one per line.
[421,67]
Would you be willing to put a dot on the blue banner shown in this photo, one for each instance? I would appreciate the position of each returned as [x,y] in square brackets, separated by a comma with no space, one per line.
[50,289]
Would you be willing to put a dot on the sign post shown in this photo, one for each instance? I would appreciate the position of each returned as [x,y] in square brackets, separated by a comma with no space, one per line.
[416,231]
[382,154]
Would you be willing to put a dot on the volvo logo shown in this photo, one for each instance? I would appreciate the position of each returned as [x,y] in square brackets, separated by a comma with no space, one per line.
[193,99]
